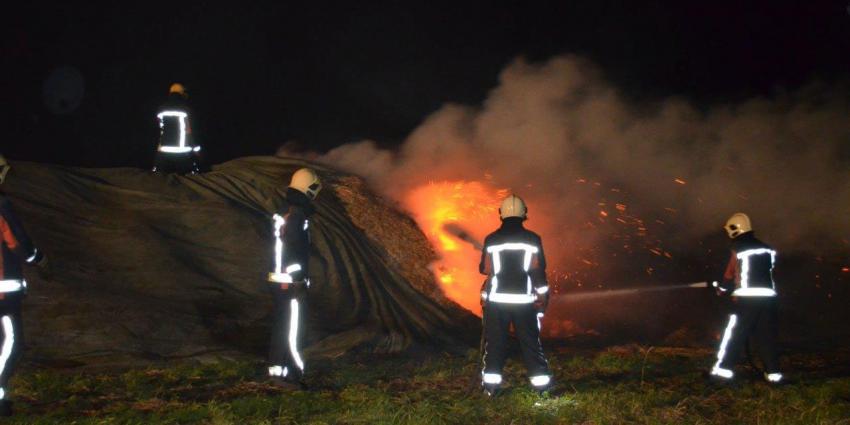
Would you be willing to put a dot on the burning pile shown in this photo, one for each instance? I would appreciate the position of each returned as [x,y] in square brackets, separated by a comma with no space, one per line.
[456,216]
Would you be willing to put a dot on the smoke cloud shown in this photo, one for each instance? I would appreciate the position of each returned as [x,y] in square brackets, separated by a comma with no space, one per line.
[582,155]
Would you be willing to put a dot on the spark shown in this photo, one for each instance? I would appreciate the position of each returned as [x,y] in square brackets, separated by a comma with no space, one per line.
[680,181]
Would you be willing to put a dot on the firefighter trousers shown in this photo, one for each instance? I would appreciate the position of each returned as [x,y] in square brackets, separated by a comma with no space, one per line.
[285,359]
[10,321]
[751,317]
[498,320]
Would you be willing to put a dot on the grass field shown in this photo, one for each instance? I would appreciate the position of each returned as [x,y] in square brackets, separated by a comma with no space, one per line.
[628,384]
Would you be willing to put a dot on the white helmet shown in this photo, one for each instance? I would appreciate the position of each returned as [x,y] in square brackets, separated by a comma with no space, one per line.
[513,206]
[4,168]
[306,181]
[737,225]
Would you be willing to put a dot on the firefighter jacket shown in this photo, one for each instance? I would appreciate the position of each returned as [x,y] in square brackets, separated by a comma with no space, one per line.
[16,249]
[749,272]
[292,240]
[513,260]
[175,129]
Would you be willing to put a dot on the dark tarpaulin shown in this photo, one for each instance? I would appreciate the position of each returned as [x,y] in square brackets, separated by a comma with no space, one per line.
[145,265]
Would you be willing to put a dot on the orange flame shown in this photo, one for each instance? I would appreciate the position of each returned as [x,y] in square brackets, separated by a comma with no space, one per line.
[473,206]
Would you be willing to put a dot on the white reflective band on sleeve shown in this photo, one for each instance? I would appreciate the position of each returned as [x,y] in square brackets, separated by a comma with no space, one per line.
[306,224]
[721,353]
[278,244]
[12,285]
[32,257]
[8,342]
[182,119]
[280,278]
[773,377]
[542,289]
[293,333]
[744,256]
[540,380]
[511,298]
[492,378]
[754,292]
[292,268]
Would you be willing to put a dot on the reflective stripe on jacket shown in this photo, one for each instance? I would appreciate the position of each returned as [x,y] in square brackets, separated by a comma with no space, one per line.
[513,260]
[751,267]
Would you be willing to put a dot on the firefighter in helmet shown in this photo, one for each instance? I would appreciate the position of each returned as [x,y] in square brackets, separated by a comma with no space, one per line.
[290,278]
[16,249]
[748,280]
[515,291]
[177,151]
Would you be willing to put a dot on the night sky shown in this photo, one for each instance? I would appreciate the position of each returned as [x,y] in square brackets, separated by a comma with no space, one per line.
[321,74]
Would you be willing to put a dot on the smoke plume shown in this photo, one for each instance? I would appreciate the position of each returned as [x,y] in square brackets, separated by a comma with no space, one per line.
[562,137]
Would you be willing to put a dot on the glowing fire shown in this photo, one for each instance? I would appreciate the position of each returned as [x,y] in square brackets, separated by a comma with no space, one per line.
[472,207]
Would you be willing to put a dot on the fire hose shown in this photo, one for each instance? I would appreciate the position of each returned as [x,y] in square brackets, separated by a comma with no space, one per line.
[463,235]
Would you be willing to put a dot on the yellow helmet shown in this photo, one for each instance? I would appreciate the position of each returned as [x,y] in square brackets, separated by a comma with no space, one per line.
[177,88]
[512,206]
[4,168]
[306,181]
[737,225]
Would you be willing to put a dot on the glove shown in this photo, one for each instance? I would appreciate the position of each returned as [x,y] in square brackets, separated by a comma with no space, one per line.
[724,288]
[541,302]
[484,291]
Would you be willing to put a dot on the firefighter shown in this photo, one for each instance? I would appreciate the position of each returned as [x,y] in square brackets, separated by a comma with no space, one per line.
[515,291]
[177,151]
[749,281]
[16,249]
[290,278]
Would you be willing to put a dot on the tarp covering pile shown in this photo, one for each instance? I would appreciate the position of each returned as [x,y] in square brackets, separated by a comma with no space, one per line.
[145,265]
